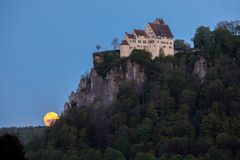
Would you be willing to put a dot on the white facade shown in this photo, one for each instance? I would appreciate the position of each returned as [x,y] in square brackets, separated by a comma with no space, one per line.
[156,36]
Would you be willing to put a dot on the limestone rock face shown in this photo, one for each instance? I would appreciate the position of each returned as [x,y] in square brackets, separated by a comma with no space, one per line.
[101,91]
[200,67]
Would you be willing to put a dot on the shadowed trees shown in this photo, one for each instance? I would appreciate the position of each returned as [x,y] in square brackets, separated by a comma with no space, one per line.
[11,148]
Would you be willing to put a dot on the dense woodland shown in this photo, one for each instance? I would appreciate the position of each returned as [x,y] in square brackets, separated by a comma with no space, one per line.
[174,116]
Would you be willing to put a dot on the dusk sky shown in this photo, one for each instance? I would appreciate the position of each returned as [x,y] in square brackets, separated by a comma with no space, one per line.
[46,45]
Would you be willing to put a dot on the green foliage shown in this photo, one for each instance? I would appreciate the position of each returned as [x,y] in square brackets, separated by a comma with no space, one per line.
[145,156]
[190,157]
[213,154]
[203,39]
[181,45]
[111,59]
[112,154]
[91,154]
[223,140]
[231,26]
[122,144]
[141,57]
[176,157]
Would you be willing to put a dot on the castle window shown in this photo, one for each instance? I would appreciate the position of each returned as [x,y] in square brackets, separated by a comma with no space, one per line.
[163,42]
[170,47]
[144,42]
[134,41]
[164,46]
[151,41]
[139,41]
[170,42]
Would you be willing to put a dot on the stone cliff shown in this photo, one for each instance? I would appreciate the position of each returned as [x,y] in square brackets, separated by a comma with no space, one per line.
[200,68]
[98,89]
[101,91]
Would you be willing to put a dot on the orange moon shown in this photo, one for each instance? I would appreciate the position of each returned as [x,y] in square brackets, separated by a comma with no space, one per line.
[50,118]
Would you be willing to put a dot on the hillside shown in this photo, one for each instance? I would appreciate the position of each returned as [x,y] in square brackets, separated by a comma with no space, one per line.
[182,107]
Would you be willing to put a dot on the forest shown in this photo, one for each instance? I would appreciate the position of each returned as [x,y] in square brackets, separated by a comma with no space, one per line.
[174,116]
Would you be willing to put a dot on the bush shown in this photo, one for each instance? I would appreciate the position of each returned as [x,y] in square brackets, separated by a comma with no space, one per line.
[140,57]
[111,59]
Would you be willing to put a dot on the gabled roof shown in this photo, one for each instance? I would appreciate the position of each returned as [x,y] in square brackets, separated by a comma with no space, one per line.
[160,28]
[140,32]
[124,42]
[130,36]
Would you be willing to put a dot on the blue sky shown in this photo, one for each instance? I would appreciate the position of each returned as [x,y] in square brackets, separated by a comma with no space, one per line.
[45,45]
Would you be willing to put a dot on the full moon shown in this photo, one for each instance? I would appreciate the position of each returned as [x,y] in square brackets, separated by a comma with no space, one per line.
[50,118]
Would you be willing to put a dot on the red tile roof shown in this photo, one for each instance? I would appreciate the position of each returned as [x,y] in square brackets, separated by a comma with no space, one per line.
[124,42]
[140,32]
[161,29]
[130,36]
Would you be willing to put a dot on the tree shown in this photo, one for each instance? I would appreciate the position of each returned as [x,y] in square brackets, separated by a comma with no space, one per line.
[188,97]
[213,154]
[112,154]
[181,45]
[145,130]
[232,26]
[98,47]
[223,40]
[122,144]
[114,43]
[190,157]
[145,156]
[212,125]
[203,38]
[176,157]
[223,140]
[11,148]
[91,154]
[141,57]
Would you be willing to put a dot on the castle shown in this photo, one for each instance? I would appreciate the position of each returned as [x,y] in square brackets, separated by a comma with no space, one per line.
[156,38]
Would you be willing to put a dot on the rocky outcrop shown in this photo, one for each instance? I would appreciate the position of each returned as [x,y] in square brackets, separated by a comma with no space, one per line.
[97,90]
[200,67]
